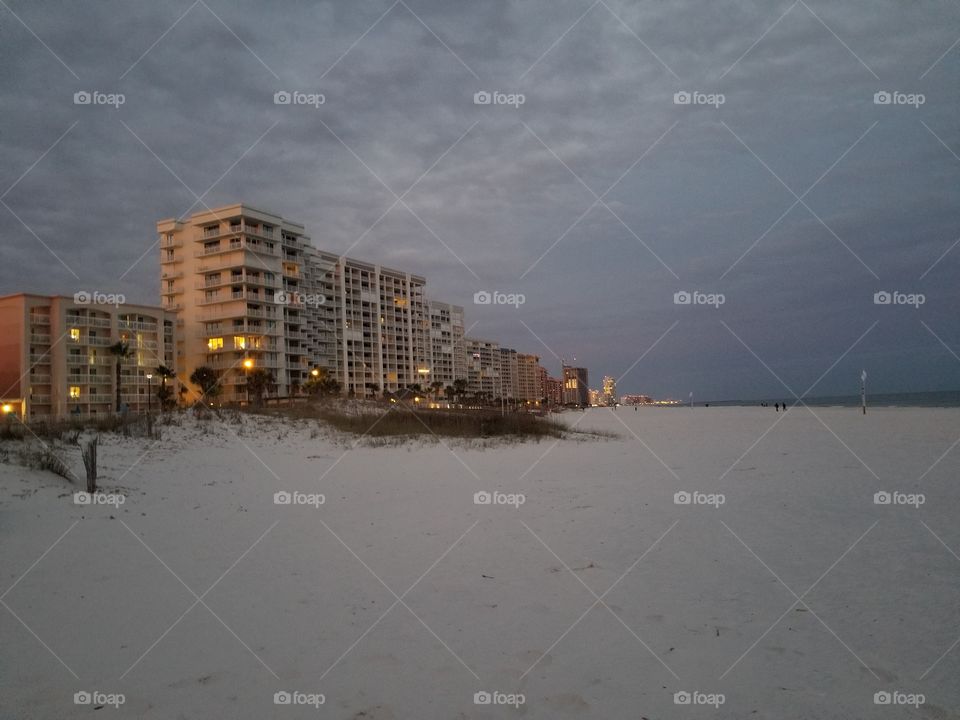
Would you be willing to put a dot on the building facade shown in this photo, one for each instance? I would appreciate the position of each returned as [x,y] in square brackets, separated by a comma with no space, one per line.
[509,380]
[249,290]
[576,389]
[609,390]
[448,355]
[55,358]
[483,367]
[528,379]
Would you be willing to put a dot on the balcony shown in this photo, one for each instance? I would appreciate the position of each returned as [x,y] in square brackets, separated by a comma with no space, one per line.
[171,275]
[39,339]
[39,378]
[139,326]
[39,318]
[86,321]
[174,242]
[238,246]
[40,399]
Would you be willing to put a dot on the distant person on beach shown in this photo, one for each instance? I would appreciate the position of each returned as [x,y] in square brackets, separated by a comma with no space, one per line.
[777,406]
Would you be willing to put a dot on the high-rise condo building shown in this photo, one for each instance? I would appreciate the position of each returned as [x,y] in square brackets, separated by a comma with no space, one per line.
[609,390]
[250,291]
[55,357]
[528,379]
[509,380]
[448,355]
[483,367]
[575,386]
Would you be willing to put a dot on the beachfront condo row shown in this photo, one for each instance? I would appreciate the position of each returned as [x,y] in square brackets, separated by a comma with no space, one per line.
[243,289]
[58,356]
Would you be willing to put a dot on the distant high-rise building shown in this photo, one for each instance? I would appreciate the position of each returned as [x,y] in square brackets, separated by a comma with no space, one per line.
[528,379]
[448,355]
[509,379]
[575,386]
[553,390]
[483,367]
[609,390]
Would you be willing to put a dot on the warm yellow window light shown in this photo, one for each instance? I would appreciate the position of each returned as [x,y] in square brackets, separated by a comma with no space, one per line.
[75,334]
[74,391]
[215,343]
[239,343]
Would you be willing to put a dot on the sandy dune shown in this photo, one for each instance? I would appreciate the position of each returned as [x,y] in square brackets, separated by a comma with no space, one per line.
[782,586]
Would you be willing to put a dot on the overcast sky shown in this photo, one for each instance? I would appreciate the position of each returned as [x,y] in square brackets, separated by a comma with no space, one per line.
[597,199]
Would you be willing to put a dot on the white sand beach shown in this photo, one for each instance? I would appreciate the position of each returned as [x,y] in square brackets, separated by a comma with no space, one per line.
[793,595]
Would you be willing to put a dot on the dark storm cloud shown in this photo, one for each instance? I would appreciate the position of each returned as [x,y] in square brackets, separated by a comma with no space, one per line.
[510,201]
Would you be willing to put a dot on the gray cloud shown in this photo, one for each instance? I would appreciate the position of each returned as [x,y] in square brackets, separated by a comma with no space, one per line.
[595,102]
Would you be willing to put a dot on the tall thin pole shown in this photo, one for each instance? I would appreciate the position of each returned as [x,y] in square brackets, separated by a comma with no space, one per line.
[863,391]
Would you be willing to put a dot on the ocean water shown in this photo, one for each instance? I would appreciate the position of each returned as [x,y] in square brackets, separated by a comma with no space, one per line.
[948,398]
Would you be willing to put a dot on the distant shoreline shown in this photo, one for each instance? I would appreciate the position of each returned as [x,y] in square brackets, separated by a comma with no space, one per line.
[944,399]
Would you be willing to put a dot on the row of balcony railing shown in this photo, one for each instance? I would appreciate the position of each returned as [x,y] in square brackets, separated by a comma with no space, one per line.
[209,233]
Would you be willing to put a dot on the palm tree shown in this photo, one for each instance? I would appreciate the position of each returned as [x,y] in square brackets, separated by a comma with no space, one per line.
[165,394]
[259,381]
[207,380]
[120,350]
[460,388]
[437,386]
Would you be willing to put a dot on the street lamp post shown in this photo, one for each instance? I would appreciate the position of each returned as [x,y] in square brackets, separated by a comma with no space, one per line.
[149,394]
[247,367]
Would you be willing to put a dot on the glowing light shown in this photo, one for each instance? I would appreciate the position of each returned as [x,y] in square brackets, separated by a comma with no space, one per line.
[248,363]
[7,409]
[315,372]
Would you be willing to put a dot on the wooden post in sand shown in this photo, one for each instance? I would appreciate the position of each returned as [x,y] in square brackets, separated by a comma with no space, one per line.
[863,391]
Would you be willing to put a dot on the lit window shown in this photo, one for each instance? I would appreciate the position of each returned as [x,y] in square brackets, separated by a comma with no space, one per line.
[239,343]
[215,343]
[75,334]
[74,391]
